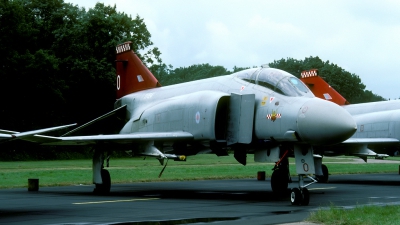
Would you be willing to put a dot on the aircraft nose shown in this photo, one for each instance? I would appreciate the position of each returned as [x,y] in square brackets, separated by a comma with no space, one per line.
[323,122]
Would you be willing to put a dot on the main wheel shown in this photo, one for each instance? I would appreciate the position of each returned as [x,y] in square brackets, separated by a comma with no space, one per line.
[105,187]
[279,180]
[295,196]
[325,174]
[305,194]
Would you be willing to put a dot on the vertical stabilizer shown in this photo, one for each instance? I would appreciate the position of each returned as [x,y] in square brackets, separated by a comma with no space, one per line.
[320,88]
[132,74]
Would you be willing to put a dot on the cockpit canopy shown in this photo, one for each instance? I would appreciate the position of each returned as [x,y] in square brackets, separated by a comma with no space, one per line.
[277,80]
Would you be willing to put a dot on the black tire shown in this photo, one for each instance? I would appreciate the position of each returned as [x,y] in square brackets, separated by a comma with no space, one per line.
[325,177]
[105,187]
[295,196]
[105,175]
[325,173]
[279,181]
[305,196]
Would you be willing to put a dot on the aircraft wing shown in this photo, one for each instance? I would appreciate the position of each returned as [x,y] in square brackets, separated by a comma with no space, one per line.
[360,146]
[7,132]
[371,141]
[111,138]
[6,135]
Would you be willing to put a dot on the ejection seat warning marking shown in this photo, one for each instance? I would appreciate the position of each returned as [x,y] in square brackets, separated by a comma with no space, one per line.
[115,201]
[242,88]
[118,82]
[264,101]
[197,117]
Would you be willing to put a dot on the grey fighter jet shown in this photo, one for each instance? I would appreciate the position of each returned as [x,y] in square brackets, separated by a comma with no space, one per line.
[262,111]
[378,124]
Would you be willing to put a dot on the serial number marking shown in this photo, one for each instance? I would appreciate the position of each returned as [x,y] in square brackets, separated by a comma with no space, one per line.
[118,82]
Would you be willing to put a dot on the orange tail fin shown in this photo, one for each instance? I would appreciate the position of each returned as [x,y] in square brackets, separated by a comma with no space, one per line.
[320,88]
[132,74]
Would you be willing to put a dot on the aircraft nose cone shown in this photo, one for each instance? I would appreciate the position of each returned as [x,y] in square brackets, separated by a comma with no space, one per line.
[321,122]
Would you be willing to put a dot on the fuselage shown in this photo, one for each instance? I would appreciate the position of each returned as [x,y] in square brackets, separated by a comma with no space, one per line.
[284,110]
[371,107]
[377,120]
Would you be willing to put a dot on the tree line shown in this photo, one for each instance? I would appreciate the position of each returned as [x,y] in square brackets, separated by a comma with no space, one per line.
[349,85]
[57,63]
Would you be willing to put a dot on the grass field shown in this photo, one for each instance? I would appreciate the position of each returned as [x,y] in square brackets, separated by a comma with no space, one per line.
[126,170]
[361,215]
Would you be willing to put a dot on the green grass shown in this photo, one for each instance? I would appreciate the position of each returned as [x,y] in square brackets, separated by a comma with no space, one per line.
[361,215]
[126,170]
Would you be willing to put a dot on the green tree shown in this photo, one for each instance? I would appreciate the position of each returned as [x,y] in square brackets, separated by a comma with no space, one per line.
[237,69]
[193,72]
[57,60]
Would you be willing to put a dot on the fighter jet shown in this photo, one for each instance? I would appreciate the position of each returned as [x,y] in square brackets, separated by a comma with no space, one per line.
[378,124]
[262,111]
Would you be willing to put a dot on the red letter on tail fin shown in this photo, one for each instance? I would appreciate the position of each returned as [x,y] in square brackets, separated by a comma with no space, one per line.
[132,74]
[320,88]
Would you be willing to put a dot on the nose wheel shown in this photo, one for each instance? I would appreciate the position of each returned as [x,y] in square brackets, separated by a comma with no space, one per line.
[299,196]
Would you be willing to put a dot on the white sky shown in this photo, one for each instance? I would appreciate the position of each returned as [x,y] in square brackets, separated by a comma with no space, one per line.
[361,36]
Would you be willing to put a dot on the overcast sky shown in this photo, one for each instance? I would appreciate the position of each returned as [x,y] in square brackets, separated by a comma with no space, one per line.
[361,36]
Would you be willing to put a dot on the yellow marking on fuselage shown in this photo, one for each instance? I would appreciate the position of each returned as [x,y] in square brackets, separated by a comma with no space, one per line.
[115,201]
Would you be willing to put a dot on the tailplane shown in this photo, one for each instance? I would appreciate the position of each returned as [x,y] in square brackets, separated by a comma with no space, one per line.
[321,88]
[132,74]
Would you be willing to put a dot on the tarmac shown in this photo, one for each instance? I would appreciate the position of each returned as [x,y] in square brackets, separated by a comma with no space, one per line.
[233,202]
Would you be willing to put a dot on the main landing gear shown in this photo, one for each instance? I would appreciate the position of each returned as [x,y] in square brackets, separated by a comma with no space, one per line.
[101,176]
[325,175]
[280,178]
[105,187]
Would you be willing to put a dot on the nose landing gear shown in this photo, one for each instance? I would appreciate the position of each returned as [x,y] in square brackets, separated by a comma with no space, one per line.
[301,195]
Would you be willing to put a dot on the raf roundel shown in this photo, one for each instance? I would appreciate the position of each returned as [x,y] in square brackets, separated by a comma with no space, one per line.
[197,117]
